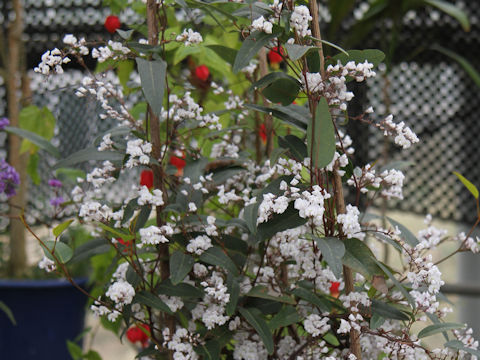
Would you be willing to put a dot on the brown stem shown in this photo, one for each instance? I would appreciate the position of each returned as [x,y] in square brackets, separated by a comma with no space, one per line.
[317,35]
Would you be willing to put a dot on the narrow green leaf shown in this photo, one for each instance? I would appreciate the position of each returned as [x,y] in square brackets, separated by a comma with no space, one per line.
[283,113]
[321,136]
[463,62]
[74,350]
[91,248]
[142,217]
[332,250]
[234,290]
[270,78]
[87,155]
[295,51]
[59,229]
[62,251]
[452,10]
[405,233]
[182,290]
[32,168]
[215,256]
[359,257]
[261,291]
[397,284]
[116,232]
[287,316]
[250,48]
[438,328]
[296,147]
[276,153]
[92,354]
[388,311]
[281,222]
[180,265]
[152,76]
[472,188]
[312,298]
[253,318]
[38,140]
[149,299]
[209,351]
[7,312]
[283,91]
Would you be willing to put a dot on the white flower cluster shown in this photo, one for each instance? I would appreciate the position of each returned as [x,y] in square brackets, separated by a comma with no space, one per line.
[78,46]
[391,181]
[139,151]
[250,68]
[181,343]
[350,225]
[52,61]
[186,109]
[101,310]
[248,347]
[189,37]
[121,292]
[261,24]
[310,204]
[199,244]
[316,325]
[95,211]
[469,243]
[403,135]
[154,235]
[431,236]
[271,204]
[465,336]
[299,20]
[225,148]
[47,264]
[173,302]
[154,197]
[99,176]
[115,51]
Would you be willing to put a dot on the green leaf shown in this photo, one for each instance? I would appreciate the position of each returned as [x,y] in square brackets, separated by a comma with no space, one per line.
[284,113]
[91,248]
[295,51]
[62,251]
[332,250]
[116,232]
[452,10]
[59,229]
[234,290]
[74,350]
[142,217]
[405,233]
[7,312]
[250,48]
[283,91]
[216,256]
[287,316]
[296,147]
[87,155]
[254,318]
[359,257]
[270,79]
[224,52]
[182,290]
[281,222]
[32,168]
[438,328]
[41,142]
[399,286]
[37,120]
[458,345]
[276,153]
[387,311]
[180,265]
[373,56]
[125,34]
[376,321]
[184,51]
[124,69]
[149,299]
[152,76]
[250,214]
[472,188]
[321,136]
[209,351]
[92,354]
[312,298]
[463,62]
[261,291]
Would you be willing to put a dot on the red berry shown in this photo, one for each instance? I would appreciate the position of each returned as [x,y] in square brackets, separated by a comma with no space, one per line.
[135,333]
[263,133]
[146,178]
[112,23]
[202,73]
[178,162]
[334,291]
[275,56]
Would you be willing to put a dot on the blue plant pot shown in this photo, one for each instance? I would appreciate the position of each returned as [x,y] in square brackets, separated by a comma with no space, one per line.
[47,312]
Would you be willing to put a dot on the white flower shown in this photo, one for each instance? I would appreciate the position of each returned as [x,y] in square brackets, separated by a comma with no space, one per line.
[121,292]
[47,264]
[154,235]
[189,37]
[316,325]
[299,20]
[261,24]
[350,225]
[199,244]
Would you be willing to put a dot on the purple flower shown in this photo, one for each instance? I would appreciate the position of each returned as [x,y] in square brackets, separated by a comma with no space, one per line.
[9,178]
[4,122]
[57,201]
[55,183]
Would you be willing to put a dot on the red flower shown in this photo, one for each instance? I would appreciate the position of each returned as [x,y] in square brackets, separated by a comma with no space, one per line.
[146,178]
[112,23]
[263,133]
[202,73]
[334,291]
[135,333]
[275,55]
[179,163]
[127,245]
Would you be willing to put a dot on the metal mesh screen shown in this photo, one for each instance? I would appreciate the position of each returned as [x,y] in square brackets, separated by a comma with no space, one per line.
[429,92]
